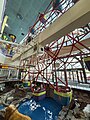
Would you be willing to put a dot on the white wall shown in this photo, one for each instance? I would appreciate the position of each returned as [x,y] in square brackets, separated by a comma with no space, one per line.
[2,57]
[2,9]
[8,60]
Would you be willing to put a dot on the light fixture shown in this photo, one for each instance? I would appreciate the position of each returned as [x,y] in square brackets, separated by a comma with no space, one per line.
[7,25]
[19,16]
[4,24]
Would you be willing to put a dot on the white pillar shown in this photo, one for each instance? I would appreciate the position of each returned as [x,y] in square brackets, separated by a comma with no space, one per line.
[2,10]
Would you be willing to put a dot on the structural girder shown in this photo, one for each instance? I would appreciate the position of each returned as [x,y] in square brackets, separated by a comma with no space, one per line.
[75,17]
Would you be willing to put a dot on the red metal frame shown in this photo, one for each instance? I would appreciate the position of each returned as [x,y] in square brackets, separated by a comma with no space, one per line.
[52,12]
[40,62]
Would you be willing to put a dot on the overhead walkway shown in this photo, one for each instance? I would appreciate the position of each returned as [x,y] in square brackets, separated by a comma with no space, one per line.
[75,85]
[77,16]
[67,49]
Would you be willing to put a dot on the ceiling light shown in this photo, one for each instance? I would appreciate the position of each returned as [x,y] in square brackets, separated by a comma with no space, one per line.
[19,16]
[7,25]
[22,33]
